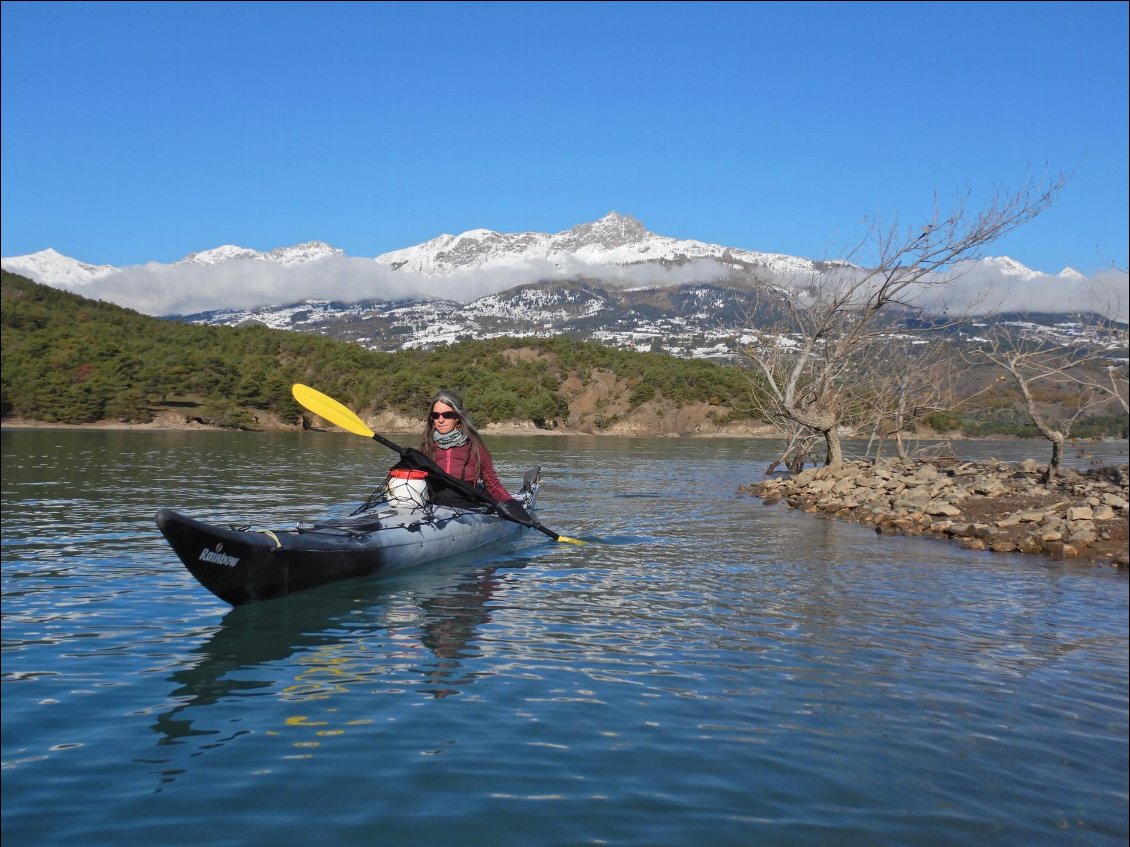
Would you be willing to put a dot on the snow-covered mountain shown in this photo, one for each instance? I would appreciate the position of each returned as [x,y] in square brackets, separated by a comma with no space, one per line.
[615,239]
[694,321]
[617,250]
[53,268]
[310,251]
[700,320]
[1007,267]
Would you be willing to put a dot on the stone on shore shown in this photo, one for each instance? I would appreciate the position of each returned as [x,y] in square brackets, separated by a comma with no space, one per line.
[989,505]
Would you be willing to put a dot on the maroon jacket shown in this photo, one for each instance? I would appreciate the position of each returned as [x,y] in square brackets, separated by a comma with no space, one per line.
[459,462]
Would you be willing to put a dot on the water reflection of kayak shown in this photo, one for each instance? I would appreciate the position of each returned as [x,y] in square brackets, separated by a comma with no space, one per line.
[244,564]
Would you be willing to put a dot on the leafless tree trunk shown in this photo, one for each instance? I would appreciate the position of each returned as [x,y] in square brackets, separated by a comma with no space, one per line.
[914,380]
[809,367]
[799,447]
[1078,368]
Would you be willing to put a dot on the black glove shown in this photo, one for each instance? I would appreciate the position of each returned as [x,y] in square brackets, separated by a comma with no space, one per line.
[514,510]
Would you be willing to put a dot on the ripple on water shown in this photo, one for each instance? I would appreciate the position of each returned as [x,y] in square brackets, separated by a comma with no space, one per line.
[704,670]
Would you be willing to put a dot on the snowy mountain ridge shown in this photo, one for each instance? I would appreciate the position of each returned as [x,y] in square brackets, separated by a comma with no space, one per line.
[53,268]
[310,251]
[696,321]
[614,240]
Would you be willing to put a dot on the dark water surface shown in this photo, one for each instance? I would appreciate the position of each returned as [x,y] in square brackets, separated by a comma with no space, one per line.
[705,671]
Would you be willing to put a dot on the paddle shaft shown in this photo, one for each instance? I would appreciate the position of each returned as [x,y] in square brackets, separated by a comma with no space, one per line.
[334,412]
[471,491]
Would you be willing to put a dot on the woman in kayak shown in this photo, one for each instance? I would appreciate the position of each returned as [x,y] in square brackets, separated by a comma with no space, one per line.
[453,443]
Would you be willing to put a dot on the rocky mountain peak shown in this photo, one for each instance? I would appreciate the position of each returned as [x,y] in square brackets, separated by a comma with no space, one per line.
[613,230]
[217,255]
[308,251]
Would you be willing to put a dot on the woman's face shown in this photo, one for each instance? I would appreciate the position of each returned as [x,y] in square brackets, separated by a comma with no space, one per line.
[447,420]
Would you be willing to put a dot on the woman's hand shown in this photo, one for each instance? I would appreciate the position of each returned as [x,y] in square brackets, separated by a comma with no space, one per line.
[514,510]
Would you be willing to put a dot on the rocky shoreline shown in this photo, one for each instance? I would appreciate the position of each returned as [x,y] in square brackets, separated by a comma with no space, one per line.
[396,423]
[990,505]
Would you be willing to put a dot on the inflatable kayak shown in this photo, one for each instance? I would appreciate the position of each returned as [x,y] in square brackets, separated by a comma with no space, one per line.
[397,529]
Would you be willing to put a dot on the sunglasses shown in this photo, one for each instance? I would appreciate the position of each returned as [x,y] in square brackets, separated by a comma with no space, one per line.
[447,416]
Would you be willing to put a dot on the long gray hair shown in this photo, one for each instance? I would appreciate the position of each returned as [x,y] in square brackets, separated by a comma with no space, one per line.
[450,398]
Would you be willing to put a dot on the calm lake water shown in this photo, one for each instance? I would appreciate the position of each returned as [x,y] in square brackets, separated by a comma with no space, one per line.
[706,670]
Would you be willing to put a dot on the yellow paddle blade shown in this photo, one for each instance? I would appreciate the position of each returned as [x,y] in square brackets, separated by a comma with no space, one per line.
[567,540]
[329,409]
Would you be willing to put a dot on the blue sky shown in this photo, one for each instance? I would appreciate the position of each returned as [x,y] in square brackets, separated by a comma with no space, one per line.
[145,131]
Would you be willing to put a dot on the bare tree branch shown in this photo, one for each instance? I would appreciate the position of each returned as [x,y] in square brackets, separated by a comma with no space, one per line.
[834,329]
[1080,369]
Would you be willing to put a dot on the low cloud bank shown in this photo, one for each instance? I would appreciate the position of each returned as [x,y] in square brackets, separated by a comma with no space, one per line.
[985,289]
[157,289]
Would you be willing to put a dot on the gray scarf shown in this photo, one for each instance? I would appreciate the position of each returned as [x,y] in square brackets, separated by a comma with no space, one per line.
[456,438]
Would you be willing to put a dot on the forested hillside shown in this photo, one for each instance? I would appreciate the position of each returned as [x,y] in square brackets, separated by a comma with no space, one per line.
[68,359]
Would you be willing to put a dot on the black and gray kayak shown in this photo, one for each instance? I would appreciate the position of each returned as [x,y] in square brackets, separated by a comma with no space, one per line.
[244,564]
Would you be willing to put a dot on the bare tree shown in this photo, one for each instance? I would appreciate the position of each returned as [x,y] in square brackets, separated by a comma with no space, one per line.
[800,445]
[834,329]
[1117,383]
[1076,368]
[1113,335]
[917,378]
